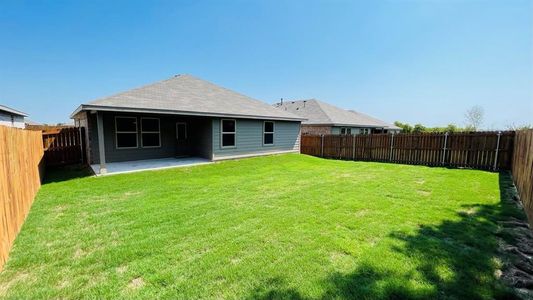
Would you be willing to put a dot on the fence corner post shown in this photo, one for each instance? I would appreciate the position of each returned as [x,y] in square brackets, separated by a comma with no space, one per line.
[497,150]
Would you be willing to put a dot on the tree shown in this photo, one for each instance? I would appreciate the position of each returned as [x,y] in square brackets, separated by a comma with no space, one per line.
[452,128]
[419,128]
[474,117]
[406,128]
[519,127]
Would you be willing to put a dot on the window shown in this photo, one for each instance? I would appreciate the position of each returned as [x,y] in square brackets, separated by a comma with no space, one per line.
[346,130]
[126,132]
[150,134]
[365,130]
[268,133]
[181,131]
[227,132]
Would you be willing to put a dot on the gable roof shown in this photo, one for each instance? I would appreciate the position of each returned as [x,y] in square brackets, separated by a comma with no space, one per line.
[320,113]
[12,111]
[188,95]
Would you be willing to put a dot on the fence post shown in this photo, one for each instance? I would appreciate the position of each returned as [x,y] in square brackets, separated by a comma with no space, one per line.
[321,145]
[353,147]
[444,147]
[391,146]
[497,149]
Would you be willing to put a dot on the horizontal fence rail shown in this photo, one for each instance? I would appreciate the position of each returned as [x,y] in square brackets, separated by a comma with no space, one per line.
[523,169]
[21,167]
[477,150]
[63,146]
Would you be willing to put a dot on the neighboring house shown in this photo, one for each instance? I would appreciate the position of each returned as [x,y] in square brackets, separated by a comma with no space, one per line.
[184,116]
[324,118]
[11,117]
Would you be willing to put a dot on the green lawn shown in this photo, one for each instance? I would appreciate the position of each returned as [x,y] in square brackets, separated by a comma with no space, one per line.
[289,226]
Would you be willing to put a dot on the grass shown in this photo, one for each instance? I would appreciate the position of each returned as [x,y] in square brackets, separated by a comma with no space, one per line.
[288,226]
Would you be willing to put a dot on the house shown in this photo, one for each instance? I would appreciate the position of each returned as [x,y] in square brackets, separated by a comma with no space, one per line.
[183,116]
[11,117]
[324,118]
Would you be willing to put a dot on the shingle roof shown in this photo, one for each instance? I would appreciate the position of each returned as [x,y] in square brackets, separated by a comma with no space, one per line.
[12,111]
[185,94]
[320,113]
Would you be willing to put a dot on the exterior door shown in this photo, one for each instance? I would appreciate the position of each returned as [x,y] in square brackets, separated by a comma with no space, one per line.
[182,139]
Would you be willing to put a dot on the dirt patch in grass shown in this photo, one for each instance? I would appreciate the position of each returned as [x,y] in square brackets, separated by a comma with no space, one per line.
[122,269]
[423,193]
[4,287]
[79,253]
[136,283]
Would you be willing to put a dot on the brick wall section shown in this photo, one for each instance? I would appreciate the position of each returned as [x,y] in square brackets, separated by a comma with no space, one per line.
[315,130]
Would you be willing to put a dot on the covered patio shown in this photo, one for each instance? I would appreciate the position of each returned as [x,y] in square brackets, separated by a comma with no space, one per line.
[148,164]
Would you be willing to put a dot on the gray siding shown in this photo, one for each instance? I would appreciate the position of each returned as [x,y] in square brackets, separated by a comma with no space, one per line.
[249,138]
[204,138]
[199,133]
[10,120]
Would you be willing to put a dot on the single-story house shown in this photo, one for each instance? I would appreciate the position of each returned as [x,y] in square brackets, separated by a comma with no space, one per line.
[11,117]
[324,118]
[183,116]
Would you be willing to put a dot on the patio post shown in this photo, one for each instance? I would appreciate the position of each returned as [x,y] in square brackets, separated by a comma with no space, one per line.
[101,145]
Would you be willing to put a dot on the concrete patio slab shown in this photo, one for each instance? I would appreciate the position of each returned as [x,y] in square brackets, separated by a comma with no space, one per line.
[151,164]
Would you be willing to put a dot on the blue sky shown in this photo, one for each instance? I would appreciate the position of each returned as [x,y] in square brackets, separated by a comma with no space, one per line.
[423,61]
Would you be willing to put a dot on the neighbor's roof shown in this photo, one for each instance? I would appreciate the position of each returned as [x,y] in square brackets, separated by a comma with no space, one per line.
[32,122]
[188,95]
[12,111]
[320,113]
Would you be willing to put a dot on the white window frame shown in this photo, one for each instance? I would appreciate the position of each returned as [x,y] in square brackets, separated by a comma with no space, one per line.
[158,132]
[273,131]
[181,123]
[118,132]
[228,132]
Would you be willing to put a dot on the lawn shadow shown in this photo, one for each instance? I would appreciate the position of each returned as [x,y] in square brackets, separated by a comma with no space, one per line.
[275,288]
[64,173]
[454,259]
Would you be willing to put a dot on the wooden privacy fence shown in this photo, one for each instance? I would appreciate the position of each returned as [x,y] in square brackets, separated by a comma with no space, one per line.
[523,169]
[479,150]
[21,153]
[63,146]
